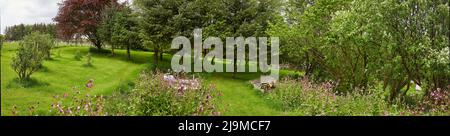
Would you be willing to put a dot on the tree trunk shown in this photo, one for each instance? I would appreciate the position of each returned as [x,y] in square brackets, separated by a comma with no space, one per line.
[234,67]
[48,54]
[128,52]
[403,96]
[161,56]
[308,65]
[97,43]
[155,56]
[112,50]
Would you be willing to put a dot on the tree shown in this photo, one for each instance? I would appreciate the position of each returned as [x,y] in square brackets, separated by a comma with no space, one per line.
[81,17]
[120,28]
[106,26]
[418,45]
[126,30]
[238,18]
[30,55]
[315,34]
[361,43]
[158,23]
[287,27]
[353,35]
[17,32]
[1,42]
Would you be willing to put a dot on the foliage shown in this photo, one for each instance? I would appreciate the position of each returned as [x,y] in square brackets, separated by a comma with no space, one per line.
[58,54]
[89,59]
[307,98]
[157,23]
[78,56]
[77,104]
[77,18]
[1,41]
[30,55]
[119,28]
[17,32]
[359,44]
[161,21]
[237,18]
[154,96]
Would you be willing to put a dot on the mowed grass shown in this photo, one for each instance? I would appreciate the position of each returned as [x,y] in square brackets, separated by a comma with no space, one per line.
[63,74]
[239,98]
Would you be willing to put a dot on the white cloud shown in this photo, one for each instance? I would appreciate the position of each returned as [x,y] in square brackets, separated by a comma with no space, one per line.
[14,12]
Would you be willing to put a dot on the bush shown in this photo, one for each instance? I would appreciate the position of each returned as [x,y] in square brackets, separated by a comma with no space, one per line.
[291,74]
[59,53]
[30,55]
[89,59]
[153,96]
[78,56]
[308,98]
[77,104]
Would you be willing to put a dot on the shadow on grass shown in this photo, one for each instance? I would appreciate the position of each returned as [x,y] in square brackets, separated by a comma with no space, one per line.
[88,66]
[44,69]
[99,51]
[16,83]
[122,55]
[53,59]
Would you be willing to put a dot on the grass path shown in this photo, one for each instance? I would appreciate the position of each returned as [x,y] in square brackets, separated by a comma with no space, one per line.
[239,98]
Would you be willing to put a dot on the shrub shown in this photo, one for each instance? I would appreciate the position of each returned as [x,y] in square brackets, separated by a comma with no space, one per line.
[154,96]
[89,59]
[78,55]
[307,98]
[59,53]
[77,104]
[33,49]
[291,74]
[437,103]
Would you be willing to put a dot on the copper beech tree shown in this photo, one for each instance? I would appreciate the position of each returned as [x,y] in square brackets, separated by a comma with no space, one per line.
[78,18]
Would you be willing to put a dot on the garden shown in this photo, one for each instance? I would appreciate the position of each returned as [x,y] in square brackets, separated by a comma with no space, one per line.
[337,58]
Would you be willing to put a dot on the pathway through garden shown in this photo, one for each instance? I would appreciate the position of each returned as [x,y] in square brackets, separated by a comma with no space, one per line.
[239,98]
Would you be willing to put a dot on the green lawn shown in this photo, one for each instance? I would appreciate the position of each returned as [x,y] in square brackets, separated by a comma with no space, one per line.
[239,98]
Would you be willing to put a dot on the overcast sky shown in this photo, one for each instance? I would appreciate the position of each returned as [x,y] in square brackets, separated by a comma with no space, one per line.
[27,12]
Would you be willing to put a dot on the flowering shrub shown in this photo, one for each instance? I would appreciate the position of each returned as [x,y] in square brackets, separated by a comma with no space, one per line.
[437,103]
[153,94]
[77,104]
[156,94]
[181,83]
[307,98]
